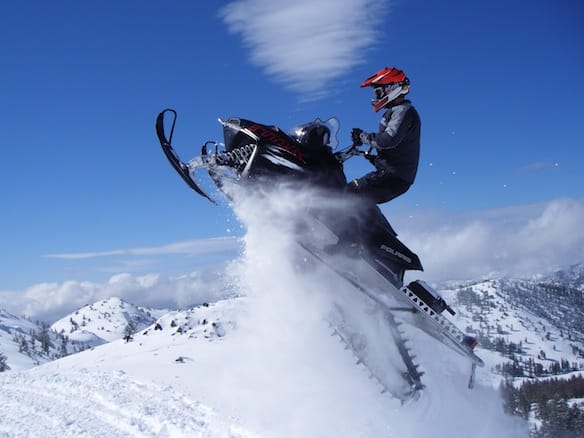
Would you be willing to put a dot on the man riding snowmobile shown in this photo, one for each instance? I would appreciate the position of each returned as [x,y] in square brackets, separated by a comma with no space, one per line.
[397,141]
[397,144]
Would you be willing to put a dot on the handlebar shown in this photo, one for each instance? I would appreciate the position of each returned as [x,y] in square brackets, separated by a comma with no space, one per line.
[353,150]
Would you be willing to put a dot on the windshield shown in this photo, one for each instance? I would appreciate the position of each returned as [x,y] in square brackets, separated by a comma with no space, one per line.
[332,124]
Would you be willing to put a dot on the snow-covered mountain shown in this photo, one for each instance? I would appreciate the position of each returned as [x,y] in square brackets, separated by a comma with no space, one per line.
[532,337]
[227,363]
[105,321]
[24,343]
[572,276]
[530,328]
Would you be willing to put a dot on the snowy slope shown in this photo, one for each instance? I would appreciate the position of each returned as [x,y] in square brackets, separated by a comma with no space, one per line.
[92,395]
[276,379]
[104,321]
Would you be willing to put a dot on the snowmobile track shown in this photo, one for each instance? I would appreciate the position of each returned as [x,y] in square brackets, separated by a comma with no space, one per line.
[412,376]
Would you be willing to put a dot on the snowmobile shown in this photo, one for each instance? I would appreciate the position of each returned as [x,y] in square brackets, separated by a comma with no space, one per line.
[255,156]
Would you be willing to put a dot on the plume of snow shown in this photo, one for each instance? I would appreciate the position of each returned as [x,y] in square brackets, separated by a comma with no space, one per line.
[284,349]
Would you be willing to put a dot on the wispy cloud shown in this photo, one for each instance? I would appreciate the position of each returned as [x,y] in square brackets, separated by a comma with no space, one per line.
[192,247]
[306,43]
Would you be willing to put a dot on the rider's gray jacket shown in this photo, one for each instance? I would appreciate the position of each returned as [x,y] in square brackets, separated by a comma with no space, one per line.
[398,142]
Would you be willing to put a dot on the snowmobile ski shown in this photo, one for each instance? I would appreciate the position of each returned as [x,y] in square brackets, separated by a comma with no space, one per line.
[179,166]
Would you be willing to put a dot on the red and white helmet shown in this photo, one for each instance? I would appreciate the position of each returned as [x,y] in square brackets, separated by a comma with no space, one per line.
[388,83]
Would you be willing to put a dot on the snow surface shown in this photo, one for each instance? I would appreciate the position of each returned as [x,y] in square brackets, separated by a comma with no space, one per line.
[45,403]
[261,364]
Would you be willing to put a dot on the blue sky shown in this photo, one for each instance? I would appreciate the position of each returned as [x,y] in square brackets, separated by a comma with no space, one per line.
[86,192]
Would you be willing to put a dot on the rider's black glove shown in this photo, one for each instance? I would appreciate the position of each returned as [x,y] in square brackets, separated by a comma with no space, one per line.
[356,136]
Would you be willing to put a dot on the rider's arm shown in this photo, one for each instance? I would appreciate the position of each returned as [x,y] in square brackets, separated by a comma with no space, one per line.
[396,127]
[397,122]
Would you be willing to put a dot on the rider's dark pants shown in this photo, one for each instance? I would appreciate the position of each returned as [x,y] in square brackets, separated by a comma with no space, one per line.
[378,187]
[368,191]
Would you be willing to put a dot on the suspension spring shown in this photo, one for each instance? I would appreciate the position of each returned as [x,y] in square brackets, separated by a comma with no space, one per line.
[236,157]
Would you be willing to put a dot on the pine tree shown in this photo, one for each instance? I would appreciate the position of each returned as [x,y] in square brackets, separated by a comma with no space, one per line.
[130,329]
[44,338]
[3,365]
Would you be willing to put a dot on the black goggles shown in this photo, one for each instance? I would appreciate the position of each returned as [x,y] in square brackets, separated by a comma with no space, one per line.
[385,89]
[379,92]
